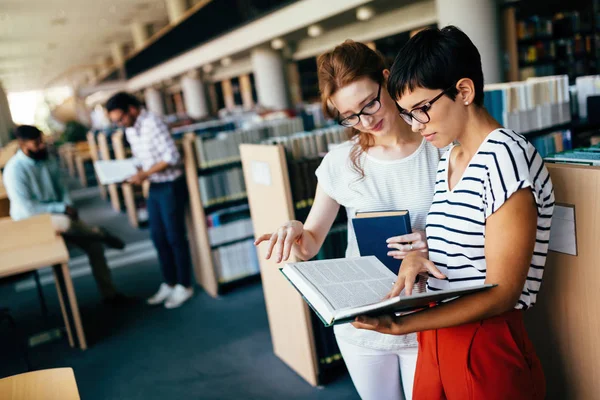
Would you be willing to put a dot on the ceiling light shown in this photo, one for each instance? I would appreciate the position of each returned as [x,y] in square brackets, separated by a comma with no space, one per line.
[364,13]
[226,61]
[315,30]
[207,68]
[277,43]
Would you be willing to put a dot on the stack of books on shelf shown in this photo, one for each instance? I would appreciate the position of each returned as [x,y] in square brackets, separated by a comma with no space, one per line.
[554,142]
[222,148]
[313,117]
[311,144]
[235,261]
[531,105]
[222,186]
[581,156]
[231,237]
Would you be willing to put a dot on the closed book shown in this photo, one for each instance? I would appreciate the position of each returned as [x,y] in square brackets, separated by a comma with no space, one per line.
[372,229]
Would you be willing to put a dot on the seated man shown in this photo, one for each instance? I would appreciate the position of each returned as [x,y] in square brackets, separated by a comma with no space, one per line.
[34,186]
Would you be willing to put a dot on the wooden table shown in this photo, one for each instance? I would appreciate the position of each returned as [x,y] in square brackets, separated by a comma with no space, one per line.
[48,384]
[32,244]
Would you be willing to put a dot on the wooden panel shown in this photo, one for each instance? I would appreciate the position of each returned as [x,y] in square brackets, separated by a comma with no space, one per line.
[565,322]
[246,91]
[270,206]
[127,188]
[7,152]
[113,192]
[4,201]
[203,264]
[49,384]
[228,94]
[94,153]
[34,230]
[510,44]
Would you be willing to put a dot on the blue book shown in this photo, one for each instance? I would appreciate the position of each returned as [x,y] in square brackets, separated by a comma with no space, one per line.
[372,229]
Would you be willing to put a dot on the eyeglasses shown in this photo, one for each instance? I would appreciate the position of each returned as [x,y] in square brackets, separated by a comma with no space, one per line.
[420,113]
[369,109]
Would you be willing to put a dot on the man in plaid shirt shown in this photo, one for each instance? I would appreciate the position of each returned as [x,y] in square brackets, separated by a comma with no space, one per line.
[160,163]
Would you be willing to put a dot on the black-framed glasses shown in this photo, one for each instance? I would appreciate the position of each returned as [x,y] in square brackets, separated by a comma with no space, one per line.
[420,113]
[370,109]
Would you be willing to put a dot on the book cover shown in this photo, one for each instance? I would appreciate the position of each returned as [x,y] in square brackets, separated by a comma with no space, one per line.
[372,229]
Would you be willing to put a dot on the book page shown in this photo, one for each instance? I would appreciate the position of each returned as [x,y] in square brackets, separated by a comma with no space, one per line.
[115,171]
[349,282]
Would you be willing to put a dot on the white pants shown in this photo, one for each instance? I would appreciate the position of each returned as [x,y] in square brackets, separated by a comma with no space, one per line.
[380,374]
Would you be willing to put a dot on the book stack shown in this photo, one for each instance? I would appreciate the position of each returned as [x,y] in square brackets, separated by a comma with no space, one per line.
[552,143]
[580,156]
[311,144]
[222,186]
[218,148]
[235,261]
[229,225]
[313,117]
[531,105]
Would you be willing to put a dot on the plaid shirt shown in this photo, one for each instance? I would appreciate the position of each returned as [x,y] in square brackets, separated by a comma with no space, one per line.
[151,143]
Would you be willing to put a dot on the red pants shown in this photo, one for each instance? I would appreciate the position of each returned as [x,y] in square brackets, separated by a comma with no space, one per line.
[490,359]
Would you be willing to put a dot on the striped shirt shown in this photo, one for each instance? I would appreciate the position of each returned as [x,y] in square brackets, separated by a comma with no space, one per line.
[505,163]
[151,143]
[403,184]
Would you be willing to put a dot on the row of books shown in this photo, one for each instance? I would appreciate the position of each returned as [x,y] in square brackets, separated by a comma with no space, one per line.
[303,181]
[554,142]
[235,261]
[530,105]
[558,49]
[230,232]
[312,144]
[212,126]
[559,26]
[582,156]
[223,147]
[222,186]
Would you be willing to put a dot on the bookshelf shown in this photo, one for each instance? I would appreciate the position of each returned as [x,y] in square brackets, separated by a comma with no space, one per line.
[95,156]
[105,151]
[219,214]
[133,196]
[564,323]
[281,185]
[552,37]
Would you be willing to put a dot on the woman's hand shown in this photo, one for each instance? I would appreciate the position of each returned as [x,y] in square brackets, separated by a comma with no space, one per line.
[405,244]
[281,242]
[413,265]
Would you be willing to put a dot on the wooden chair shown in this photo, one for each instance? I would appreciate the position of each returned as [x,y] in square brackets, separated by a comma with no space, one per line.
[48,384]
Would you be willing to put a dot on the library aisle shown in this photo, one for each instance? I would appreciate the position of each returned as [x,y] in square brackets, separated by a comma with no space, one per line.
[207,349]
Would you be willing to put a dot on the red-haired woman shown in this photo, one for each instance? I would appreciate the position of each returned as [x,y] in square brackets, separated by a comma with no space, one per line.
[385,166]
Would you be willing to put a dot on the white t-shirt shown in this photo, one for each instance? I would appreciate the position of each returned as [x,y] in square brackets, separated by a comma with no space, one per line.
[404,184]
[505,163]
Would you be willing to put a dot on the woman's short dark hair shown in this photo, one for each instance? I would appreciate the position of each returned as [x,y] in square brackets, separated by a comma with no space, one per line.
[437,59]
[122,101]
[27,132]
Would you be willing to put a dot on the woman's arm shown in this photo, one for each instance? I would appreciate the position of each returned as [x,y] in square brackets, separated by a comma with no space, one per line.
[303,240]
[509,243]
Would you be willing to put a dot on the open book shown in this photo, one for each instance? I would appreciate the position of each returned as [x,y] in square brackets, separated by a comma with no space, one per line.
[115,171]
[338,290]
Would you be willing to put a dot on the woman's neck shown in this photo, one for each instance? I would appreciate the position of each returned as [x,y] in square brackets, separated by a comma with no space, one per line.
[480,124]
[400,134]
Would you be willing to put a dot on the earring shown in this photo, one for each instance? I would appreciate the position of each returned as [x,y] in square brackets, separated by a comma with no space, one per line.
[466,103]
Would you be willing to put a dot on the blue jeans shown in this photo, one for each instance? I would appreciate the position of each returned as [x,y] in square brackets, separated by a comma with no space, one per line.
[166,212]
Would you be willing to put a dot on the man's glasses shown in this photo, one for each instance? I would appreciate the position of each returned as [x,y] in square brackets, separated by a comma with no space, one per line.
[420,113]
[369,109]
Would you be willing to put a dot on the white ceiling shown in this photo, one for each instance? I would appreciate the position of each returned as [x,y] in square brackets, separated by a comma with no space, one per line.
[40,40]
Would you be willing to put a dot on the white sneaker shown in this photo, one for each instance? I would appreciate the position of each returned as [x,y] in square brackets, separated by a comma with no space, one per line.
[163,293]
[179,296]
